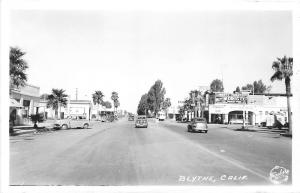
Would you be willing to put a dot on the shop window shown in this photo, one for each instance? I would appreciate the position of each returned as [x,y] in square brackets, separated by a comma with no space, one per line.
[24,113]
[26,103]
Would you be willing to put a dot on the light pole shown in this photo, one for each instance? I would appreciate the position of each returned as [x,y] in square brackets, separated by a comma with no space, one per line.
[244,115]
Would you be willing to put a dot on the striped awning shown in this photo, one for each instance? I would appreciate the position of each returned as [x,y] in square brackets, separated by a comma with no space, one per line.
[14,103]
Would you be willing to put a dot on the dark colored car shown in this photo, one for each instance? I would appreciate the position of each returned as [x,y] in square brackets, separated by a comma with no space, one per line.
[198,125]
[141,121]
[131,118]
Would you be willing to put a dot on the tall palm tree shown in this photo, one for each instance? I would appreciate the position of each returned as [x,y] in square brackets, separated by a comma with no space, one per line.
[56,100]
[283,68]
[115,99]
[98,98]
[17,68]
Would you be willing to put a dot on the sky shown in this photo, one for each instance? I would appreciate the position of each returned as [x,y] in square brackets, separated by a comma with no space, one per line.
[127,51]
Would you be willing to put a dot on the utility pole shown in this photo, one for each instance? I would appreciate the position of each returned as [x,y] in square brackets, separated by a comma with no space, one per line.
[76,94]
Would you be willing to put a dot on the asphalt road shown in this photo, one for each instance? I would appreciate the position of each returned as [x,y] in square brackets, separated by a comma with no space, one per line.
[162,154]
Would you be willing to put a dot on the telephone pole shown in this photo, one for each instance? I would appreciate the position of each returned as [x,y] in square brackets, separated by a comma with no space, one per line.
[76,94]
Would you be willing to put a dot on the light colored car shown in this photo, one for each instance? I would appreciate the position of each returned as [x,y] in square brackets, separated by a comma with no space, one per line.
[237,121]
[198,125]
[131,118]
[141,121]
[72,123]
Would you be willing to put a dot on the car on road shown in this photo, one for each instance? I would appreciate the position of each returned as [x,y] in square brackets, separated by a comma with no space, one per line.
[72,123]
[198,125]
[237,121]
[130,118]
[161,115]
[141,121]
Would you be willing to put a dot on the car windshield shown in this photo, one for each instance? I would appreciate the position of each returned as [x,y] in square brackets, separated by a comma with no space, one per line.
[200,120]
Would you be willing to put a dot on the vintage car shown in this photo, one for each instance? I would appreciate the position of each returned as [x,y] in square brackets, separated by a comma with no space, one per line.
[141,121]
[198,125]
[72,123]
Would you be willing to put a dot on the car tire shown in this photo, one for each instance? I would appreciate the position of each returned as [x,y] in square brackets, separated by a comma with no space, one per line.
[64,126]
[86,126]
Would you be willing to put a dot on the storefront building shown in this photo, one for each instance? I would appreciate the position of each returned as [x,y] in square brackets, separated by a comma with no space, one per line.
[79,109]
[24,101]
[229,108]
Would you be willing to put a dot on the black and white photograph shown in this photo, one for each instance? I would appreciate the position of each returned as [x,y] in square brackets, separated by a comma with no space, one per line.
[105,97]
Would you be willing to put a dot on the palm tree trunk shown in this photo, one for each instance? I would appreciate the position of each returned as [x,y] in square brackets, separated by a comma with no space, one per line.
[59,111]
[288,92]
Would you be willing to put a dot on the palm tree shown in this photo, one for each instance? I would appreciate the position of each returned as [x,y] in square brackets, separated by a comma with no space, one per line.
[115,99]
[98,98]
[56,100]
[17,67]
[283,68]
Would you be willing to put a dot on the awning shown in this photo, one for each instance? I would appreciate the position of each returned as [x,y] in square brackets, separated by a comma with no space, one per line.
[14,103]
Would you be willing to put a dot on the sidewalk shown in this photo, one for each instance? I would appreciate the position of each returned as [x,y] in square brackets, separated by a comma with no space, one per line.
[251,128]
[27,129]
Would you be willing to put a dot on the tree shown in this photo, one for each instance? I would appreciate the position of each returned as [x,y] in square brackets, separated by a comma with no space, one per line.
[216,86]
[107,104]
[56,100]
[248,87]
[187,107]
[258,87]
[198,99]
[283,68]
[98,99]
[36,118]
[238,90]
[166,105]
[44,96]
[17,68]
[156,96]
[143,106]
[115,99]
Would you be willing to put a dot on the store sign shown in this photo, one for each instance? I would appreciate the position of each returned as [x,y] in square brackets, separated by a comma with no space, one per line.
[230,98]
[77,110]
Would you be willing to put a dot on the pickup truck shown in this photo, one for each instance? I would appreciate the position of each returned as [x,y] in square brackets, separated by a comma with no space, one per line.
[71,123]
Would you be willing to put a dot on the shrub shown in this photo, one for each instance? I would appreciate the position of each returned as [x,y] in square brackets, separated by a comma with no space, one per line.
[37,118]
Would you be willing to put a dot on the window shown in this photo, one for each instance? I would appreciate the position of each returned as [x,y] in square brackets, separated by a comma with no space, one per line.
[26,103]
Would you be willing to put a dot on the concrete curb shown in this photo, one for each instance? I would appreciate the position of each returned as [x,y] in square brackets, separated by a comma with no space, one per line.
[22,132]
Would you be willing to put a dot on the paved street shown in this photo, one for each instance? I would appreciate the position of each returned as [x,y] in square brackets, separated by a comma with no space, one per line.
[162,154]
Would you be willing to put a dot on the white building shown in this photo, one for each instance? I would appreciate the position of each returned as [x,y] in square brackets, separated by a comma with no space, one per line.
[227,106]
[24,101]
[75,108]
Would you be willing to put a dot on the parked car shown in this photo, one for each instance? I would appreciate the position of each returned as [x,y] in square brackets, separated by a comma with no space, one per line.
[198,125]
[141,121]
[72,123]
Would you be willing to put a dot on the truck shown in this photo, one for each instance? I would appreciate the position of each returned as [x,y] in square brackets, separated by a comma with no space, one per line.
[161,115]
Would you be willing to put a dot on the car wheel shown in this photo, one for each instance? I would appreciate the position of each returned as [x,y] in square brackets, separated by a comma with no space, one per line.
[64,126]
[86,126]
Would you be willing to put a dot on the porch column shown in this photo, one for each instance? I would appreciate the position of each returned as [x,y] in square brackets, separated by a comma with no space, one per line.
[226,118]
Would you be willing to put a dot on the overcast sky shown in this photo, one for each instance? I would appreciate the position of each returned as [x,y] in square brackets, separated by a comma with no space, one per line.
[128,51]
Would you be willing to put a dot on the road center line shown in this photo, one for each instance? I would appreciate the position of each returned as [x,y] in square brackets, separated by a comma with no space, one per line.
[231,161]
